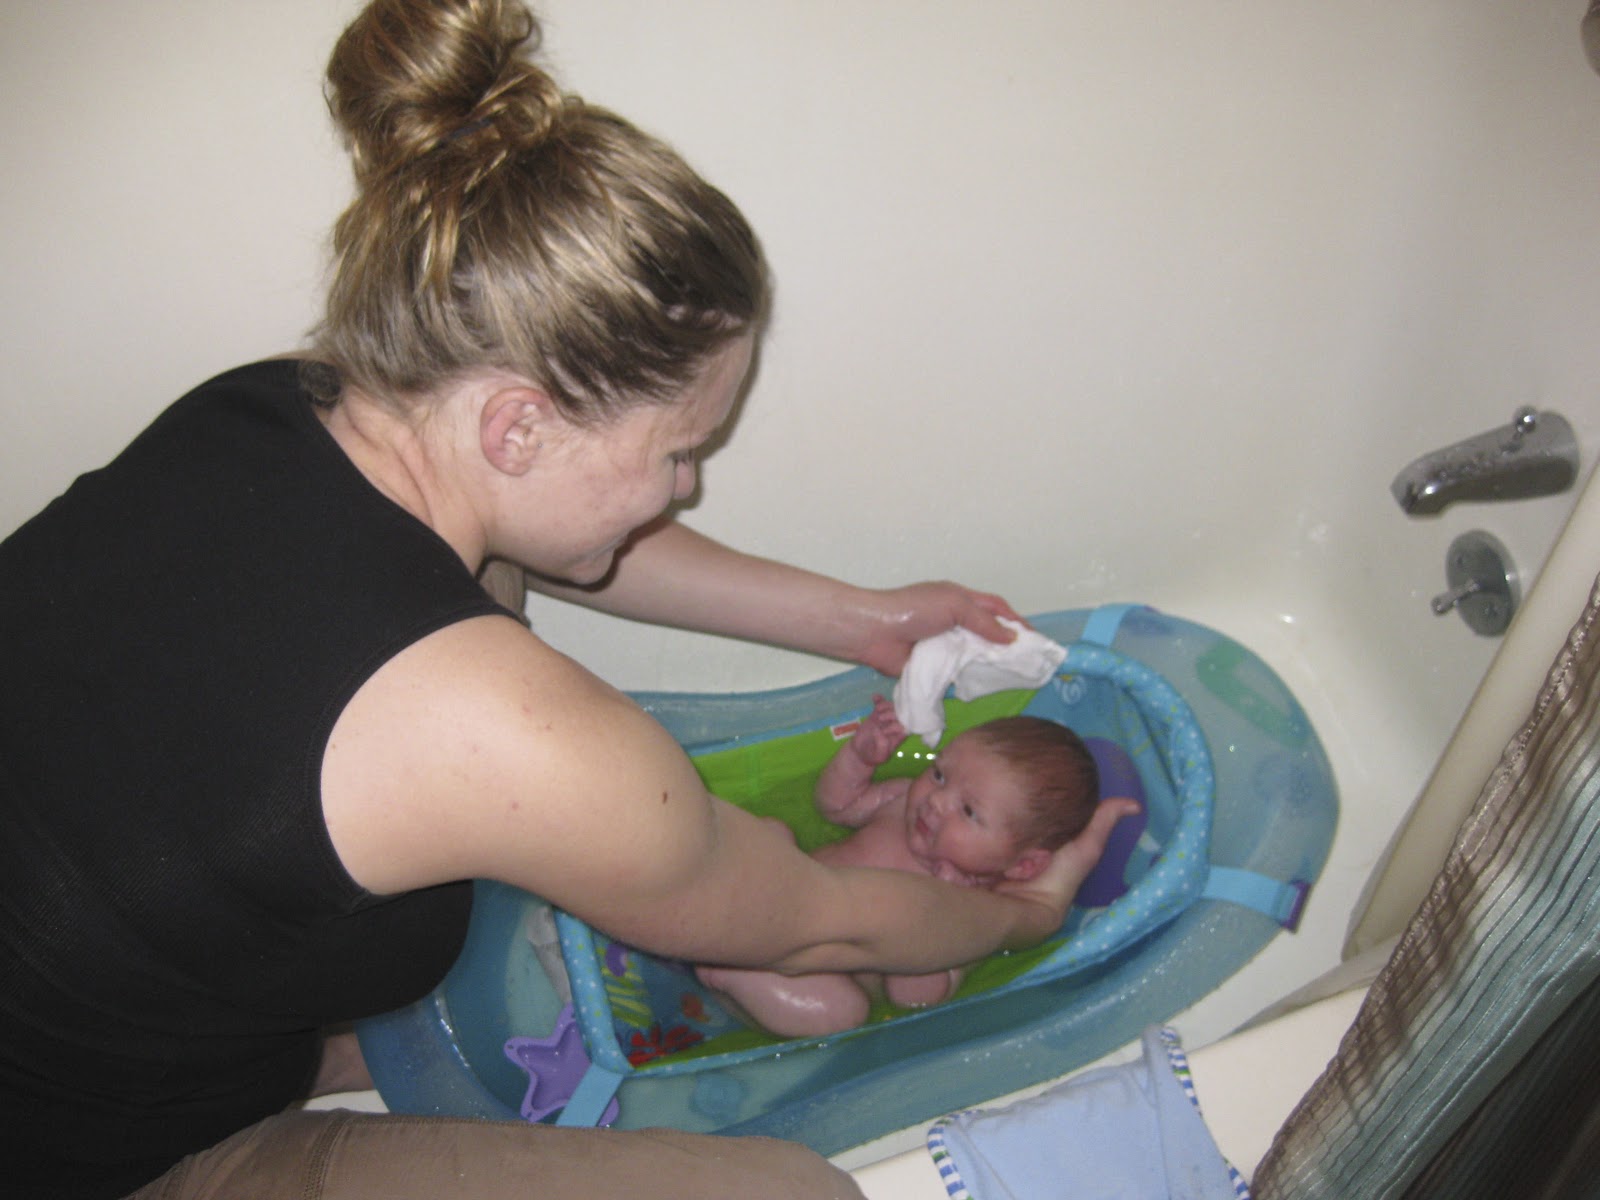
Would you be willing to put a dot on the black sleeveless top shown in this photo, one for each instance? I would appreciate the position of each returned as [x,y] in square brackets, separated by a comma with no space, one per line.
[178,634]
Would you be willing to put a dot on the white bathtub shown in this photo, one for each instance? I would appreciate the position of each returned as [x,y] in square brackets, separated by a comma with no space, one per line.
[1076,302]
[1380,772]
[1249,1082]
[1122,306]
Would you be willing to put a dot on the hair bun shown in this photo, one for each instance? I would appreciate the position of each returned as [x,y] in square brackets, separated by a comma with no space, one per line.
[410,76]
[498,224]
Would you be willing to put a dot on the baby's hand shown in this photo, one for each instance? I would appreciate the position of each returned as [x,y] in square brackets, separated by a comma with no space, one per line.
[949,873]
[879,735]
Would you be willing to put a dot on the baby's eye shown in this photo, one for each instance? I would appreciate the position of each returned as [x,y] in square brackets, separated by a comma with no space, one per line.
[937,774]
[969,812]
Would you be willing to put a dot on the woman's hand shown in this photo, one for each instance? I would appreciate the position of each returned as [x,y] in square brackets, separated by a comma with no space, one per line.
[896,619]
[1055,887]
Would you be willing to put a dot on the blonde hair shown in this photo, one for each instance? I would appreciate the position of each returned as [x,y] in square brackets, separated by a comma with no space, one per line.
[501,223]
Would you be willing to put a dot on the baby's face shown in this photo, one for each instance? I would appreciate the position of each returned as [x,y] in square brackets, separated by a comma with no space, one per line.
[961,811]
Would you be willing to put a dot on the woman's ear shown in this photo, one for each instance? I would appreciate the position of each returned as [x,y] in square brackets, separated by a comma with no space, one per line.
[1029,863]
[513,425]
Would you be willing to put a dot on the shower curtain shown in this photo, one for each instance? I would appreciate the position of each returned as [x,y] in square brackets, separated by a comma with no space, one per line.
[1473,1067]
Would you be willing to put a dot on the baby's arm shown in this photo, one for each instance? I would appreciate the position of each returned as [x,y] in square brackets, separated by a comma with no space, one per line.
[846,794]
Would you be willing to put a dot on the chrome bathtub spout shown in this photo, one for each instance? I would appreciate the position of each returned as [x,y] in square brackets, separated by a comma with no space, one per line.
[1537,455]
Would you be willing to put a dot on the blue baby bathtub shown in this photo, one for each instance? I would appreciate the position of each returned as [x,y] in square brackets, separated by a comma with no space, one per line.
[544,1018]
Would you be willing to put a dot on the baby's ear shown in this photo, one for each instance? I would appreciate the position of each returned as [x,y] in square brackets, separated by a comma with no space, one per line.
[1029,863]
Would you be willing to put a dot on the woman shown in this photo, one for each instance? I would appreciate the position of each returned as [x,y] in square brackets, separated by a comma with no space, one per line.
[261,723]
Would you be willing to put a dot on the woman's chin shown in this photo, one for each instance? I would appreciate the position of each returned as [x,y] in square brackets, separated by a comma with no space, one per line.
[589,571]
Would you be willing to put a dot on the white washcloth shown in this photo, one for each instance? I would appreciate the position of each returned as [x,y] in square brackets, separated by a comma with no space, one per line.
[976,666]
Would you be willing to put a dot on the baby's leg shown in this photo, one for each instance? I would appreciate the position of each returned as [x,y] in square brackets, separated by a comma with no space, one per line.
[921,991]
[797,1006]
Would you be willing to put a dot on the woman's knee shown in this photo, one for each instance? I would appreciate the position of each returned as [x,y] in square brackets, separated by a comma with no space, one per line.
[359,1156]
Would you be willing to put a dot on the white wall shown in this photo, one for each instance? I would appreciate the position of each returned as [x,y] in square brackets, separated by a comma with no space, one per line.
[1077,301]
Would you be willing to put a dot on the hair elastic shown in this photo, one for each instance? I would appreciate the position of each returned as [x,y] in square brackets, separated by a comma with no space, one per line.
[467,130]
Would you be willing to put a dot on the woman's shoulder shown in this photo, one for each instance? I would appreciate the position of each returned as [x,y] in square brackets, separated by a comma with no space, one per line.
[277,373]
[467,752]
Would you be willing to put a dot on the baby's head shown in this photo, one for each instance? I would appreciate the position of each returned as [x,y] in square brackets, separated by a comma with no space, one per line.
[1000,798]
[1060,782]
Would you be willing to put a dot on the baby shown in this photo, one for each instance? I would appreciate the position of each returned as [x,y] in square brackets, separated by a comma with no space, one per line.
[998,800]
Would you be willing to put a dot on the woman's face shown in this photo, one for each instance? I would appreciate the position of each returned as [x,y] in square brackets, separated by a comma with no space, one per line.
[601,484]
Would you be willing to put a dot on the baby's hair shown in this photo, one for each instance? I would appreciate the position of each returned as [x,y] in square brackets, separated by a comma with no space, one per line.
[500,223]
[1062,779]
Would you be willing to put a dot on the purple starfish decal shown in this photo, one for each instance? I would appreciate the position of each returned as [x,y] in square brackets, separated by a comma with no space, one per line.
[555,1065]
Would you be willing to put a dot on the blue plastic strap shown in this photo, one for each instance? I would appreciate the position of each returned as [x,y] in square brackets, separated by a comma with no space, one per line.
[1283,902]
[1103,623]
[594,1093]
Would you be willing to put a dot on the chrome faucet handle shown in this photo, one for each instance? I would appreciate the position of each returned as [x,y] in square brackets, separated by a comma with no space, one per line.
[1483,583]
[1445,601]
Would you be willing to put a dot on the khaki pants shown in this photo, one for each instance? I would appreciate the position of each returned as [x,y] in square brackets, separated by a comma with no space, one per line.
[342,1155]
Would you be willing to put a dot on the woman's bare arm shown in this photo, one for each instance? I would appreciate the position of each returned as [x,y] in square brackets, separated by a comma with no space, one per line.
[481,752]
[671,575]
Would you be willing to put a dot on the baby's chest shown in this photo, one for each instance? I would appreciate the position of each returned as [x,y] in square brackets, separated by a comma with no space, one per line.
[880,843]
